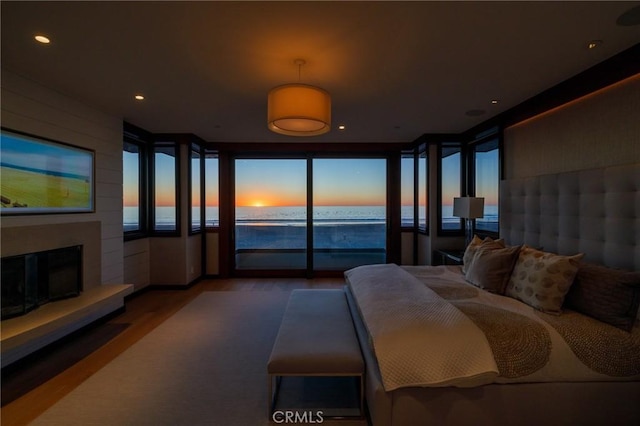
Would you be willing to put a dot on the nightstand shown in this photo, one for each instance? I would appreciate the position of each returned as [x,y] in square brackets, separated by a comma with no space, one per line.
[448,257]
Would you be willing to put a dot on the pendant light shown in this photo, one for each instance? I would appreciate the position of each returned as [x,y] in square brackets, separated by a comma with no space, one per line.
[299,109]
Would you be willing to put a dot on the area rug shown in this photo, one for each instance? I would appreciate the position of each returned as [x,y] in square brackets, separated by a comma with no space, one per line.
[206,365]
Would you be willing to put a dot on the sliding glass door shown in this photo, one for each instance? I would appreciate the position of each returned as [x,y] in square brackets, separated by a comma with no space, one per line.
[270,214]
[349,212]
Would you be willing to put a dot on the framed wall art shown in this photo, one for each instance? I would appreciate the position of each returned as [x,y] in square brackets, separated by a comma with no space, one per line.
[43,176]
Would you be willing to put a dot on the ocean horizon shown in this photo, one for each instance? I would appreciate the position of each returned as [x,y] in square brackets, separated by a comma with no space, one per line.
[296,216]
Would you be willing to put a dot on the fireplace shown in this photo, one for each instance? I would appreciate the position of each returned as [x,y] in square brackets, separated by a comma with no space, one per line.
[33,279]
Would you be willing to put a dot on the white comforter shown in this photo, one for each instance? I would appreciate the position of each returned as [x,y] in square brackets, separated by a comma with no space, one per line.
[470,337]
[408,322]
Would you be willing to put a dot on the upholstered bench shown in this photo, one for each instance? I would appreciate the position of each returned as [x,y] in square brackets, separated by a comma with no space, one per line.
[316,338]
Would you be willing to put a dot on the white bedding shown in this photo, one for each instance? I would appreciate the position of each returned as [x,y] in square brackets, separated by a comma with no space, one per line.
[470,337]
[408,321]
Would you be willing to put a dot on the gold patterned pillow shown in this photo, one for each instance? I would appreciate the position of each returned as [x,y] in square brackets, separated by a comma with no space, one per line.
[473,247]
[541,279]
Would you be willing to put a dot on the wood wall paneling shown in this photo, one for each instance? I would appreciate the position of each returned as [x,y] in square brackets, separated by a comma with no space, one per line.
[598,130]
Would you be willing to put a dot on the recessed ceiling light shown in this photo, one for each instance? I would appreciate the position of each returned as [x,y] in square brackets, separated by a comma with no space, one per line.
[139,97]
[342,127]
[594,43]
[494,101]
[42,39]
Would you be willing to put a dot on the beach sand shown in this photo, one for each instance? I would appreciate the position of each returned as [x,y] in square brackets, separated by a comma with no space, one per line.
[336,246]
[330,236]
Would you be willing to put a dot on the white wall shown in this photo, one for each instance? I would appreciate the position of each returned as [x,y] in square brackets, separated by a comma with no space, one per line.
[137,263]
[30,107]
[194,258]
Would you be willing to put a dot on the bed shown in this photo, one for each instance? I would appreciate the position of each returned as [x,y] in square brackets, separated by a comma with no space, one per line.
[474,345]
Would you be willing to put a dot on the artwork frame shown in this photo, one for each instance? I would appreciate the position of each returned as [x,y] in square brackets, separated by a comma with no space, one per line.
[39,175]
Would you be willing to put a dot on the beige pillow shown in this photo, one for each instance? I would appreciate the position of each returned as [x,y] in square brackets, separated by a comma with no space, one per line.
[491,268]
[474,245]
[541,279]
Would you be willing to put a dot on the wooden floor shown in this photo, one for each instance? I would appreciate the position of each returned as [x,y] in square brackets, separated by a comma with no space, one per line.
[29,389]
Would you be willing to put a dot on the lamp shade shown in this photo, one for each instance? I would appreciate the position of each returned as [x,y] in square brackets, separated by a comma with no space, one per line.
[299,110]
[468,207]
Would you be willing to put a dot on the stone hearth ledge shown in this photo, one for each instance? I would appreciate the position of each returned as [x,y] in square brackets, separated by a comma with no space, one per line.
[26,334]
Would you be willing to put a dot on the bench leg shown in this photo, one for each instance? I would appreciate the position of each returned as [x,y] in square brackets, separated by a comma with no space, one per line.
[362,396]
[274,389]
[273,393]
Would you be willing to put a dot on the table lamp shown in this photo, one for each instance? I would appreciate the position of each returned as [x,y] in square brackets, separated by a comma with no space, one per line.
[468,208]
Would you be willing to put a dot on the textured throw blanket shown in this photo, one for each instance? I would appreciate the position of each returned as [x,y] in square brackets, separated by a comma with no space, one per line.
[419,338]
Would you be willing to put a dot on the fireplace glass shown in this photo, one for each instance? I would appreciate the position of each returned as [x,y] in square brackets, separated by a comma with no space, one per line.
[34,279]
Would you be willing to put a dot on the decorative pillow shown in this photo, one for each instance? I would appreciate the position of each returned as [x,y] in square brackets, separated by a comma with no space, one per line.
[608,295]
[541,279]
[491,268]
[474,245]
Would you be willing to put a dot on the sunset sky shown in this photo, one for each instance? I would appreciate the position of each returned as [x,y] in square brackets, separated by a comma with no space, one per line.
[487,174]
[130,179]
[351,182]
[165,187]
[271,183]
[337,182]
[450,179]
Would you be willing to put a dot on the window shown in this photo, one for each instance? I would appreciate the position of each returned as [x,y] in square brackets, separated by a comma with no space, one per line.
[165,176]
[131,193]
[423,188]
[349,212]
[196,190]
[486,165]
[134,182]
[451,181]
[270,214]
[211,215]
[279,225]
[407,193]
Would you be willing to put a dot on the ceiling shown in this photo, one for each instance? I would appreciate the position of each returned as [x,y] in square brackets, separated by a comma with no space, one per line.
[395,70]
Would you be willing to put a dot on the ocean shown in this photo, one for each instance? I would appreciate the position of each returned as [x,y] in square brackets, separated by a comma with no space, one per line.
[322,216]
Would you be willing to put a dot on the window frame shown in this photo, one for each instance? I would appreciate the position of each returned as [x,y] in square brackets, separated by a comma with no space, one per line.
[463,175]
[210,153]
[227,212]
[139,138]
[487,136]
[196,148]
[164,143]
[422,152]
[413,155]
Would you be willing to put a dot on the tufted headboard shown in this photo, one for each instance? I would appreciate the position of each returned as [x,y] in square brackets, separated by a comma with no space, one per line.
[595,212]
